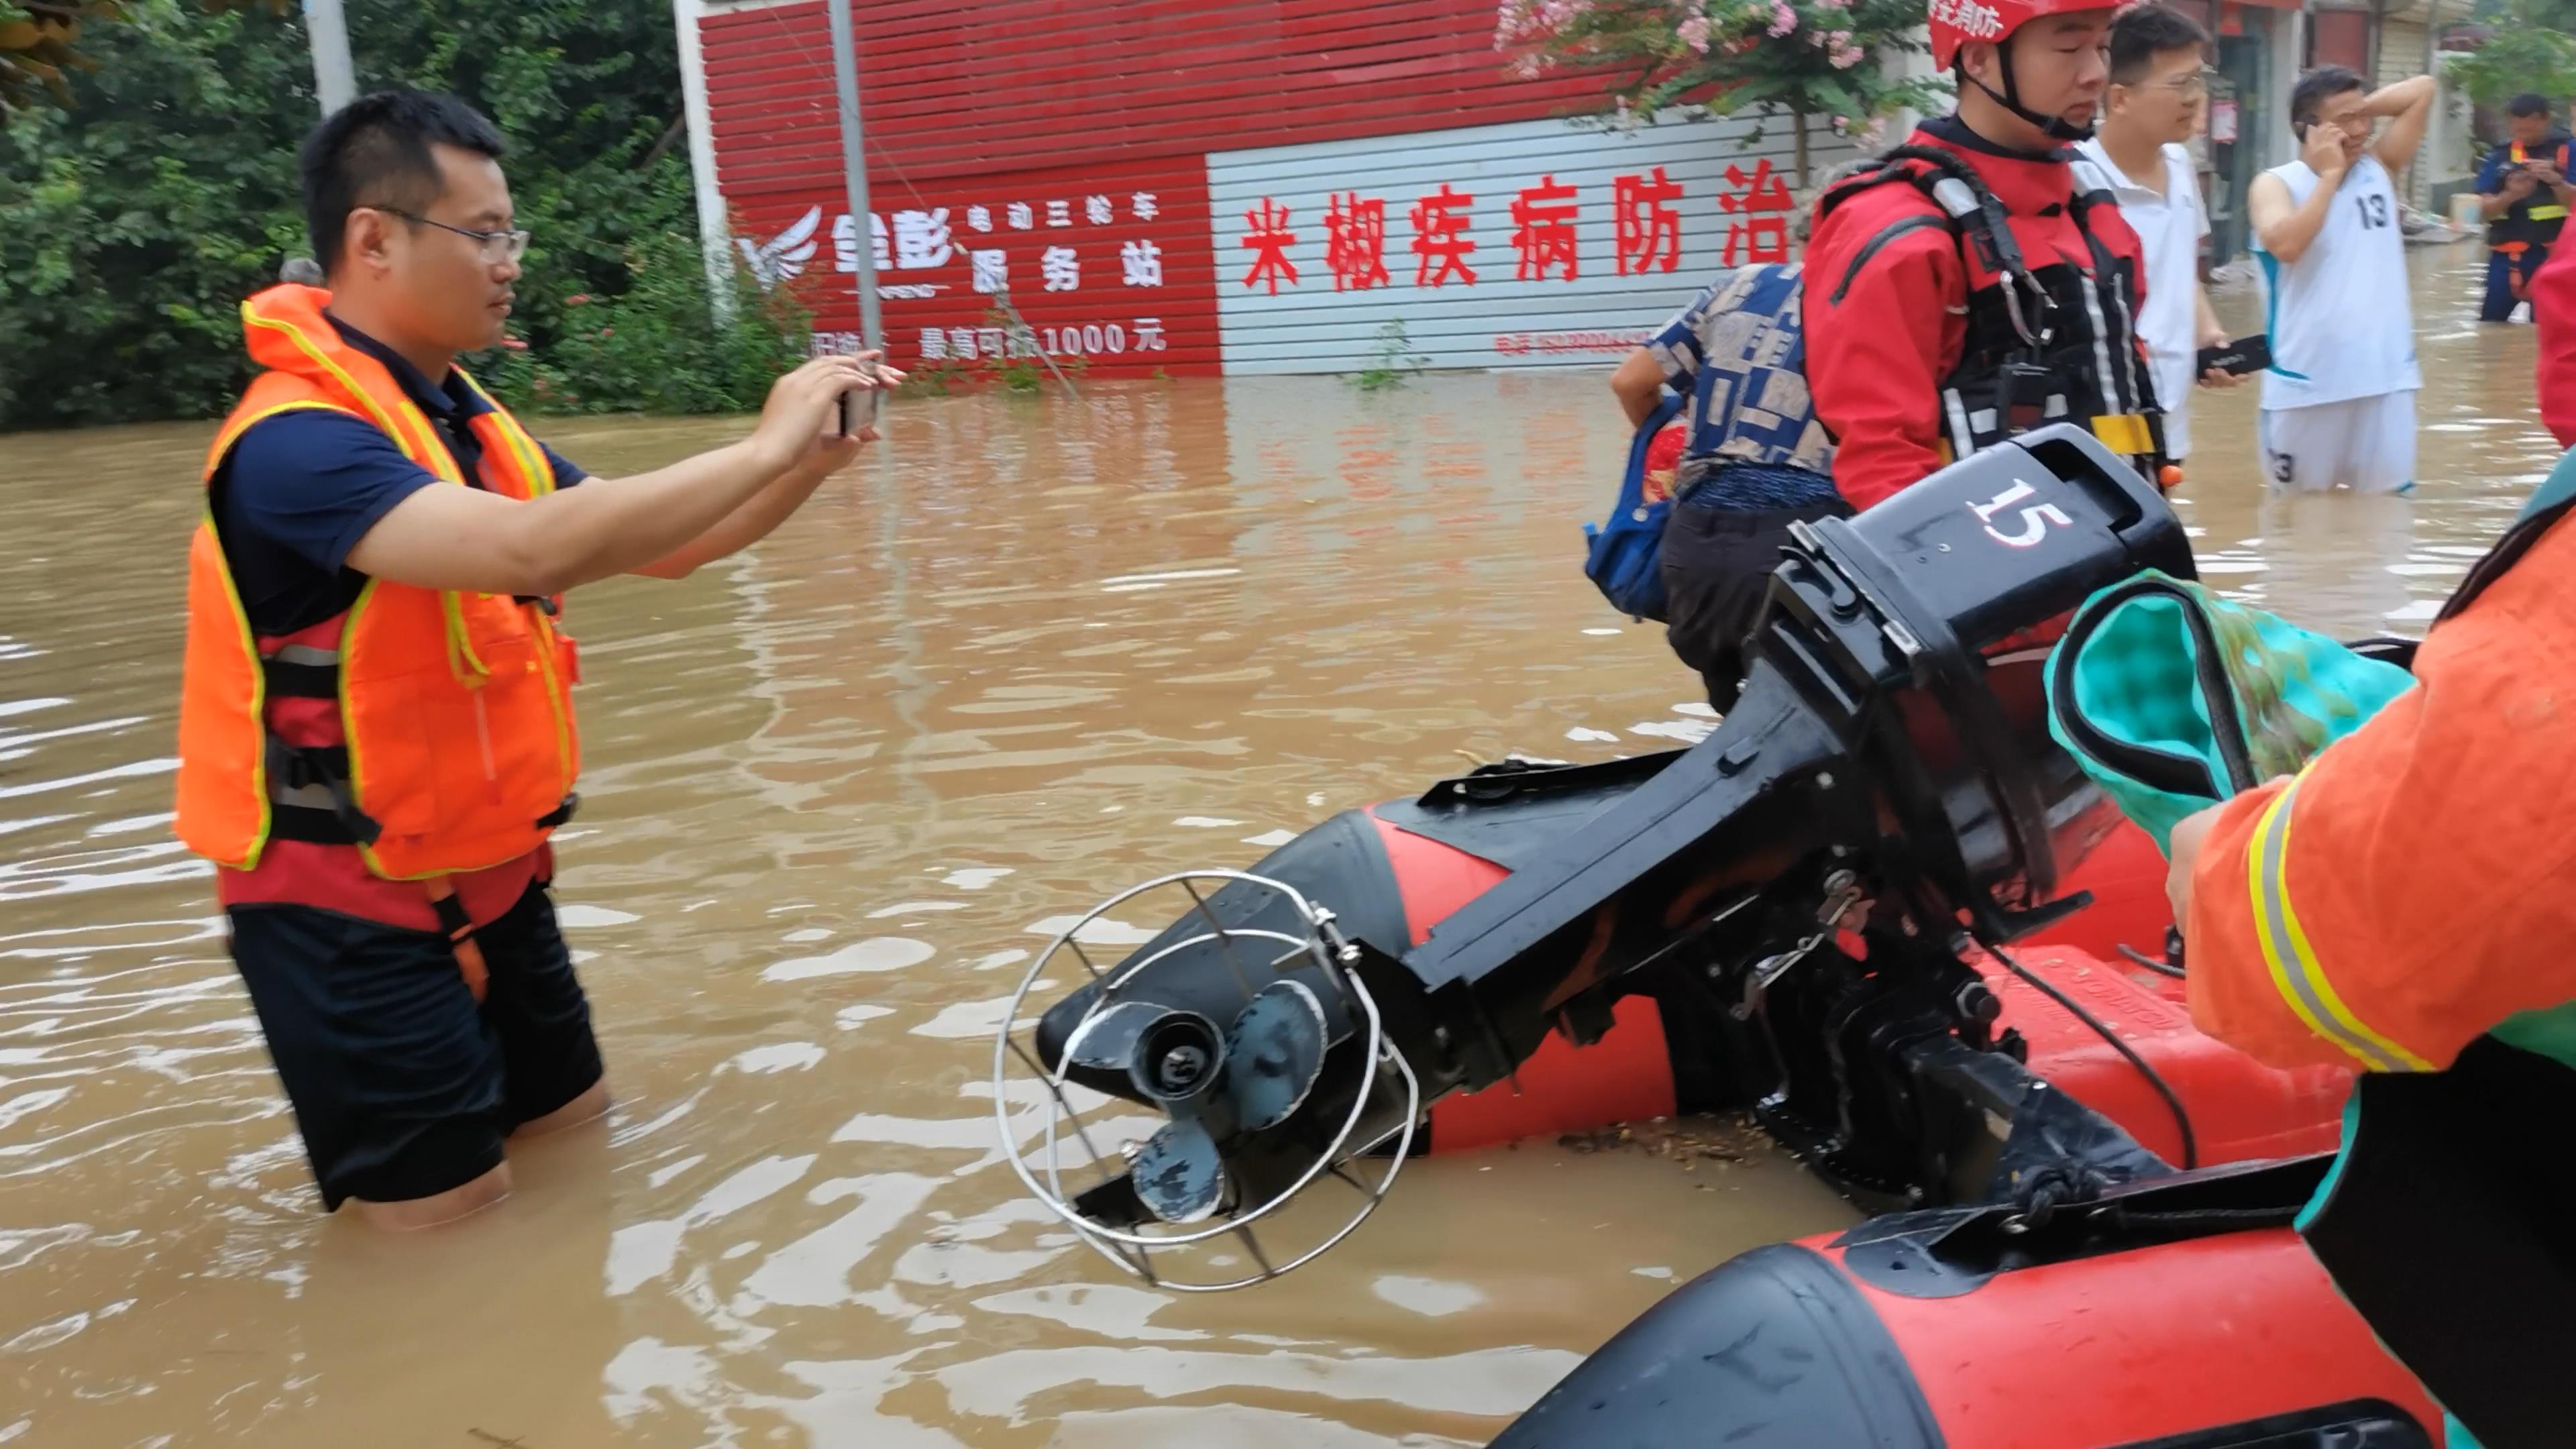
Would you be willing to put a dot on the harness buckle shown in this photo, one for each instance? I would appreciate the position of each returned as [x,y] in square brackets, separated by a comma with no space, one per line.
[300,767]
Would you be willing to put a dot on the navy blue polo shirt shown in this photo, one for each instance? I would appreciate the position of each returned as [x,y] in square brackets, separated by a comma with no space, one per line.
[300,489]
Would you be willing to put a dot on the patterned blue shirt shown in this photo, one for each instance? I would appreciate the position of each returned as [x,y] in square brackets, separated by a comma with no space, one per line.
[1739,352]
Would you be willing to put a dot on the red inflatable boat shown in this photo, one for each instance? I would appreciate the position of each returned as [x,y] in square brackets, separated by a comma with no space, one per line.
[1878,910]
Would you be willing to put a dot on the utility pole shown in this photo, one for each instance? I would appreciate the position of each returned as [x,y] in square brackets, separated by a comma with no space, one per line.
[854,171]
[335,80]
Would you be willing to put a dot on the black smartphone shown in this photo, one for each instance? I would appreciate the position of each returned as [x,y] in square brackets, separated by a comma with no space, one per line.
[859,408]
[2237,358]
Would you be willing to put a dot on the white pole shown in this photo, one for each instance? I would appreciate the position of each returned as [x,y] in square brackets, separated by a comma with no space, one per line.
[335,81]
[854,170]
[715,239]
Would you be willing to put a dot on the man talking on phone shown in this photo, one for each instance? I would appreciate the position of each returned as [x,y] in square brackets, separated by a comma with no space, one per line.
[376,731]
[2339,397]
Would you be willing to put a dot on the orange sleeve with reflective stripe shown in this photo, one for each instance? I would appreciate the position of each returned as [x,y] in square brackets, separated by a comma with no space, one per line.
[2416,884]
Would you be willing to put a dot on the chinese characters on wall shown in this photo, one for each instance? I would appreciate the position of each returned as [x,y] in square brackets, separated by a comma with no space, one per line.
[1646,232]
[997,262]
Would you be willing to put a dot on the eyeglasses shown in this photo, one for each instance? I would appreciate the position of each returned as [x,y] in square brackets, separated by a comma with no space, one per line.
[498,246]
[2189,87]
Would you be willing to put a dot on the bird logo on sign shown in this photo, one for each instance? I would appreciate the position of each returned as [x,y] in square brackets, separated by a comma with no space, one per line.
[784,255]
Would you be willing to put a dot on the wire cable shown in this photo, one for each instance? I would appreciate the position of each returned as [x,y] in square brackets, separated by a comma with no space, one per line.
[2155,1079]
[2161,968]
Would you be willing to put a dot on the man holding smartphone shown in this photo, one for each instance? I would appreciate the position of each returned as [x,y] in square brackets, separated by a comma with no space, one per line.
[376,733]
[2524,193]
[2339,397]
[2152,107]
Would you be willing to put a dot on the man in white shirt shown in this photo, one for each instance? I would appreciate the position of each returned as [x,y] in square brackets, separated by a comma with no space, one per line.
[2339,398]
[2159,85]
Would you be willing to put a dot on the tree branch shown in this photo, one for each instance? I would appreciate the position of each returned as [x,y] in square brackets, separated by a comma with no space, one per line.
[671,135]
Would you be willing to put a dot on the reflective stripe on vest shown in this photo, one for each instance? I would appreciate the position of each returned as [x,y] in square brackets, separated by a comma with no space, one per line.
[2296,973]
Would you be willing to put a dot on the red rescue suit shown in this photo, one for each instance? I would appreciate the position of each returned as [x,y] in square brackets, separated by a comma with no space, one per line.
[1908,318]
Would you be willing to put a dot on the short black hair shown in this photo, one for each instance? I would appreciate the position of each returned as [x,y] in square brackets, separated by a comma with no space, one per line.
[2529,103]
[2143,32]
[374,151]
[2317,87]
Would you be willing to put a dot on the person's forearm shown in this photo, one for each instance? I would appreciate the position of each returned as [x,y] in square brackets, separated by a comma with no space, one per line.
[745,526]
[2291,239]
[1639,384]
[2494,204]
[2411,102]
[616,525]
[2397,99]
[2206,319]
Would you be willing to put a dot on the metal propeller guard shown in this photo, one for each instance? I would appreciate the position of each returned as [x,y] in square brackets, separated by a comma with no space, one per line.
[1219,1084]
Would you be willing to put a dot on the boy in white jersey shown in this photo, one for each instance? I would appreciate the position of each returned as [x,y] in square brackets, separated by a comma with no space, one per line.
[2339,398]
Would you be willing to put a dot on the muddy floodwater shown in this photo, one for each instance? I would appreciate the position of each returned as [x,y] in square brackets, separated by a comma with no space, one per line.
[839,790]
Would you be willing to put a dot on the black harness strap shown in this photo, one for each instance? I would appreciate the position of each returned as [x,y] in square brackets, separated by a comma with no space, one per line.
[294,771]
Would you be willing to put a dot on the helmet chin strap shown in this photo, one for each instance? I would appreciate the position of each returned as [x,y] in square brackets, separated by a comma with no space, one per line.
[2057,127]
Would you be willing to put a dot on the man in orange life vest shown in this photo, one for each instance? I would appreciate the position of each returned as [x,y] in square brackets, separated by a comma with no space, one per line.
[1982,282]
[376,733]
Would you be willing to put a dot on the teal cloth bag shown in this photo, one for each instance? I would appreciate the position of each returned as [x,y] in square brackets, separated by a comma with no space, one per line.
[2175,699]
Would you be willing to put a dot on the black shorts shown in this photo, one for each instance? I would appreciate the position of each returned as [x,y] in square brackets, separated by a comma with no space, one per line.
[402,1086]
[1717,566]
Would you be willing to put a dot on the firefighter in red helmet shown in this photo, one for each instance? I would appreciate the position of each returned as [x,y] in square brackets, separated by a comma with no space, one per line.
[1979,282]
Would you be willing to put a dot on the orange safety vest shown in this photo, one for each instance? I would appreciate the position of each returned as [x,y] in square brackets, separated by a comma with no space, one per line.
[446,741]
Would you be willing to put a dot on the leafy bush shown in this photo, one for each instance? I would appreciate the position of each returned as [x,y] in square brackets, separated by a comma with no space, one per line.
[2528,48]
[136,217]
[659,347]
[1793,58]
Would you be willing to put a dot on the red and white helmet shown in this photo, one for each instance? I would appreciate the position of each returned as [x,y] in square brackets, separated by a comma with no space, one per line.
[1956,22]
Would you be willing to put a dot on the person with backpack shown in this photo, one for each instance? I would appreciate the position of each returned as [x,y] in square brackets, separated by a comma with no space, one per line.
[1980,281]
[1753,459]
[1970,285]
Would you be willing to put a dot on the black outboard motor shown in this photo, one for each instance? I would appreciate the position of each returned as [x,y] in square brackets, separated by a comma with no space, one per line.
[1884,788]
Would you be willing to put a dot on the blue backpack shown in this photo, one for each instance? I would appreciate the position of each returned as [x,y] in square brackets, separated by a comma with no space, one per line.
[1625,552]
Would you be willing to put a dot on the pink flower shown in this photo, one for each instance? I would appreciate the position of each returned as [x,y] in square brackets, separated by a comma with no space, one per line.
[1694,33]
[1783,19]
[576,299]
[1849,56]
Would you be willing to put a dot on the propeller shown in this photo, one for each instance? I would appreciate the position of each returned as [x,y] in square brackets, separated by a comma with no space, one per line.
[1252,1078]
[1277,1047]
